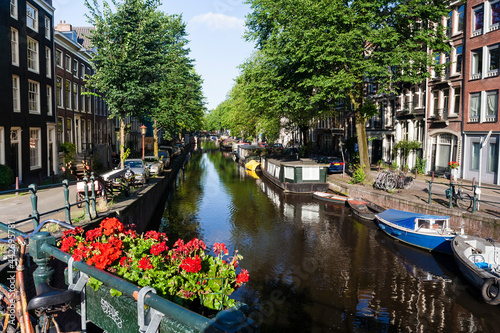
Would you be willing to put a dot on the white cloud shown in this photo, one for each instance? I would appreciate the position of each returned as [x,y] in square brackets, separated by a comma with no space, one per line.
[218,22]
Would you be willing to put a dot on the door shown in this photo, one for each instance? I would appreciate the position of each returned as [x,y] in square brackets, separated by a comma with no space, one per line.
[15,152]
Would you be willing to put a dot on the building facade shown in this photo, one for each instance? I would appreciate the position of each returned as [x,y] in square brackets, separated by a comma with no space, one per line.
[27,124]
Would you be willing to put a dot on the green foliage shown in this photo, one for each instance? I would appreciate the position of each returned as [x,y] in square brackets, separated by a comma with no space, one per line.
[421,165]
[69,151]
[395,166]
[358,176]
[406,147]
[6,177]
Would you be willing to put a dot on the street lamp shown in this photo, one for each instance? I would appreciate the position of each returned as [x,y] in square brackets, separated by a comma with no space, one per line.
[143,132]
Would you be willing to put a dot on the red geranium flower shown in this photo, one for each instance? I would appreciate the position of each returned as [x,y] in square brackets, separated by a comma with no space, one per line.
[67,243]
[220,248]
[156,249]
[145,264]
[191,265]
[242,277]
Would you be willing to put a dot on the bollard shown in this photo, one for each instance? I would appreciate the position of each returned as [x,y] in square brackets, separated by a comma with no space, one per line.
[432,176]
[43,272]
[67,206]
[17,185]
[92,180]
[87,206]
[430,192]
[450,204]
[416,173]
[34,203]
[474,198]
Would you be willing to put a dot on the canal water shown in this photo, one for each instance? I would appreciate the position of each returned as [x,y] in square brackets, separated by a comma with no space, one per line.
[313,266]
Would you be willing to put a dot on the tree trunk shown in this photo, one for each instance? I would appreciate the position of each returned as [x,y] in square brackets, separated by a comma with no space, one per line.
[122,141]
[364,159]
[155,138]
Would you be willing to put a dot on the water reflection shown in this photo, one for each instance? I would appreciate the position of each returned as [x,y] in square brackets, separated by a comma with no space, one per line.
[313,266]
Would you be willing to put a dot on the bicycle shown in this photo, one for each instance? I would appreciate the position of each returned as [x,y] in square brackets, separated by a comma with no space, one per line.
[462,200]
[14,308]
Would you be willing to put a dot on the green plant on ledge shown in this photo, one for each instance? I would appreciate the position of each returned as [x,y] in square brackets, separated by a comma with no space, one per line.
[358,176]
[69,151]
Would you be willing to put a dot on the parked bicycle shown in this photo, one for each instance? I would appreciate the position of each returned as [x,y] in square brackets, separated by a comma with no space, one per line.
[390,180]
[461,199]
[14,307]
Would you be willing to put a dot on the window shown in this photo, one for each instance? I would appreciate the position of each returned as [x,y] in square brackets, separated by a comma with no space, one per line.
[89,100]
[60,132]
[83,98]
[437,62]
[475,156]
[491,106]
[435,99]
[48,62]
[493,61]
[477,63]
[49,100]
[492,157]
[475,107]
[13,9]
[59,92]
[456,100]
[75,96]
[16,100]
[48,27]
[82,71]
[34,96]
[449,24]
[69,136]
[35,148]
[32,55]
[460,18]
[31,17]
[68,63]
[446,98]
[477,21]
[75,68]
[14,46]
[67,94]
[458,64]
[495,15]
[59,56]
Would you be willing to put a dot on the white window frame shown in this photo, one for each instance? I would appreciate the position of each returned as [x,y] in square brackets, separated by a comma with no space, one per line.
[33,97]
[48,61]
[74,91]
[14,44]
[67,94]
[13,9]
[82,91]
[67,63]
[475,119]
[49,100]
[491,117]
[75,67]
[453,100]
[457,18]
[60,92]
[82,70]
[492,26]
[455,60]
[477,32]
[35,148]
[33,55]
[48,27]
[16,95]
[476,56]
[30,19]
[59,56]
[493,72]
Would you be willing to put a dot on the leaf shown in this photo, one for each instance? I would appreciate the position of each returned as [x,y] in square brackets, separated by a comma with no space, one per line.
[115,292]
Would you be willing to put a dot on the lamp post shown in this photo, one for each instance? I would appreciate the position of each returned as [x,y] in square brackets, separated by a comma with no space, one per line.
[143,132]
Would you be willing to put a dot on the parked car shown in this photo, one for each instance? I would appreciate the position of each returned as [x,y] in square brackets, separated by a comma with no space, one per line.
[263,144]
[154,165]
[277,145]
[164,155]
[336,165]
[140,170]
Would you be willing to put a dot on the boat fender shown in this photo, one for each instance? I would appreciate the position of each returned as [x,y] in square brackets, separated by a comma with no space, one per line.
[489,298]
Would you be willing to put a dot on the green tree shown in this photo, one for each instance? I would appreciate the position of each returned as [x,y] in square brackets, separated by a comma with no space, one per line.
[314,53]
[128,43]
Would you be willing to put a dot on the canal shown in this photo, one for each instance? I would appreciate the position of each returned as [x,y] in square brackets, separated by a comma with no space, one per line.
[313,266]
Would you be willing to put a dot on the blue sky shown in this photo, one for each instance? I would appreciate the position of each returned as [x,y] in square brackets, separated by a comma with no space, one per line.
[215,29]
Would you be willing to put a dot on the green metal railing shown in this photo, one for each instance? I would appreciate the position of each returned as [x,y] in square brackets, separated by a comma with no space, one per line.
[452,188]
[89,200]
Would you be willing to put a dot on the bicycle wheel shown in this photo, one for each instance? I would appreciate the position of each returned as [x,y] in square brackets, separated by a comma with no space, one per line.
[391,183]
[408,183]
[463,200]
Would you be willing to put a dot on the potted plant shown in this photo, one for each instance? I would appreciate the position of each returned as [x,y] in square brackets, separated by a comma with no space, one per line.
[454,169]
[184,273]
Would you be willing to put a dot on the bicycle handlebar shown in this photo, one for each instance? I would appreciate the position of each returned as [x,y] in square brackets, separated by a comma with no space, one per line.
[59,223]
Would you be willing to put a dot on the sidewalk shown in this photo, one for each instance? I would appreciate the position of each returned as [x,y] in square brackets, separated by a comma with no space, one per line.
[489,200]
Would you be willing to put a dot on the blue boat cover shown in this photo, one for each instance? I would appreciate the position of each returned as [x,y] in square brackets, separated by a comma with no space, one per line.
[406,219]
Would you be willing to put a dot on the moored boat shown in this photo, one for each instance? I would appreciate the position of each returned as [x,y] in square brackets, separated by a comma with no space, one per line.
[364,209]
[330,198]
[429,232]
[479,261]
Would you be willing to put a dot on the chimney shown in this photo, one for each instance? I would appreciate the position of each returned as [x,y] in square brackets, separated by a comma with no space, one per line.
[63,26]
